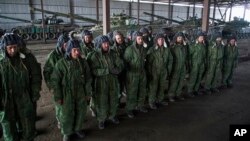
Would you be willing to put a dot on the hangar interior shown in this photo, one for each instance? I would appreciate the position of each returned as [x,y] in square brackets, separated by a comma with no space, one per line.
[202,118]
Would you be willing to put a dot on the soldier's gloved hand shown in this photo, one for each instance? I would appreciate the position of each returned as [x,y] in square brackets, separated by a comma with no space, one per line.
[114,71]
[60,101]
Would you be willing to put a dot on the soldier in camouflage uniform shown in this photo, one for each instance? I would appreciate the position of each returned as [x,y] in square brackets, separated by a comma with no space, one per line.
[157,67]
[196,61]
[215,55]
[135,57]
[53,57]
[86,45]
[18,93]
[71,82]
[230,61]
[105,65]
[178,71]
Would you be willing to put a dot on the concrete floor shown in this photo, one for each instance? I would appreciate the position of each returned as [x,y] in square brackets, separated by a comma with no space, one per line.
[203,118]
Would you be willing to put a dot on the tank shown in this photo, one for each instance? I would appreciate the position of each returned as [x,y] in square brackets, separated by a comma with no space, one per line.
[123,23]
[238,27]
[53,26]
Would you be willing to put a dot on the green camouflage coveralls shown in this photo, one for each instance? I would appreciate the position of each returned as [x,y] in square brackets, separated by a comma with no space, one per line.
[197,56]
[17,97]
[71,82]
[214,69]
[158,63]
[178,70]
[105,68]
[230,62]
[135,57]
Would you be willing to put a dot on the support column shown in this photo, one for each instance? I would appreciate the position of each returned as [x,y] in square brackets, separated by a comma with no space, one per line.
[138,12]
[106,16]
[152,11]
[71,9]
[188,8]
[97,9]
[245,8]
[170,11]
[130,9]
[32,15]
[194,9]
[43,23]
[214,11]
[230,14]
[201,11]
[205,19]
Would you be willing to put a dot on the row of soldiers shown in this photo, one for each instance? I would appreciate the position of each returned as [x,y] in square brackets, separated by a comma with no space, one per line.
[142,66]
[97,71]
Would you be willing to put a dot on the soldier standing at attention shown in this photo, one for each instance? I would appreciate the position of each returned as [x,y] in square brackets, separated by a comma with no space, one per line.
[230,62]
[105,65]
[135,57]
[157,67]
[71,82]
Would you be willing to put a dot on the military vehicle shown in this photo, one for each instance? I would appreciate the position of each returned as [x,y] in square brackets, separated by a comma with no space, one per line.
[190,22]
[53,26]
[121,22]
[237,27]
[190,27]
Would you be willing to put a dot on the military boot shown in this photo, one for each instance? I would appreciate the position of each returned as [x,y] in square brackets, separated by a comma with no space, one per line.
[130,114]
[163,103]
[171,99]
[152,106]
[101,125]
[143,110]
[80,134]
[115,120]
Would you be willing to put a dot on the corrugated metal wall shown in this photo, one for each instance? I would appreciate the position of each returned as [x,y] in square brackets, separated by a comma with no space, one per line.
[85,8]
[13,8]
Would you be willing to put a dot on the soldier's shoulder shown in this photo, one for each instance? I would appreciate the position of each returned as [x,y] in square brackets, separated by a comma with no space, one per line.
[112,51]
[130,47]
[93,54]
[192,44]
[29,56]
[61,61]
[172,46]
[151,50]
[3,61]
[83,59]
[52,53]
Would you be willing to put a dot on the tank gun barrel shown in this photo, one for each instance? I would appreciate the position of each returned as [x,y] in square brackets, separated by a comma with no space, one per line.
[66,15]
[220,21]
[161,17]
[180,18]
[140,19]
